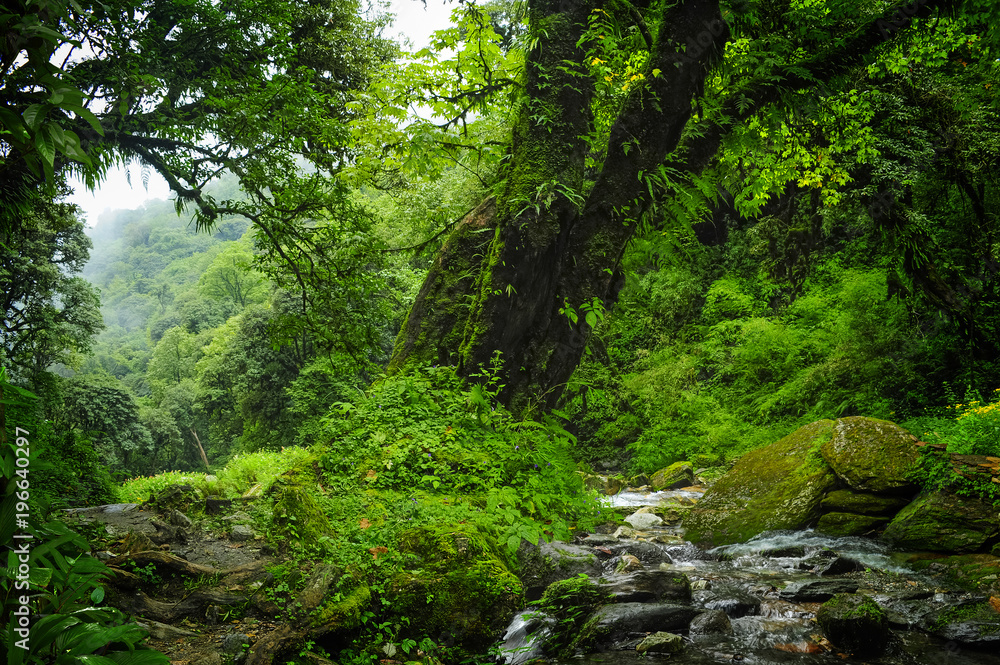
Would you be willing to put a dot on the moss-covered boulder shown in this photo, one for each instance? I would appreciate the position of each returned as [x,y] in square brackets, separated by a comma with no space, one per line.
[944,522]
[456,587]
[299,522]
[661,642]
[850,524]
[872,455]
[975,622]
[677,475]
[776,487]
[862,503]
[854,623]
[570,602]
[543,563]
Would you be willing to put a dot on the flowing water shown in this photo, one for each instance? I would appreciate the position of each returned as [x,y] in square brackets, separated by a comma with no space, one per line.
[746,582]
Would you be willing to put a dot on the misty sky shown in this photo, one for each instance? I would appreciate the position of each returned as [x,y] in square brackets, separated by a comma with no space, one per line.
[412,20]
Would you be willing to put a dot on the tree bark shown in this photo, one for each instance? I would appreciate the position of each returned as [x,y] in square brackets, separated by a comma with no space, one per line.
[556,247]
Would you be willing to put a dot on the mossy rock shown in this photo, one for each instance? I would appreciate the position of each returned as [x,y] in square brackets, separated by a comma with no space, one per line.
[571,602]
[872,455]
[456,589]
[854,623]
[862,503]
[343,614]
[776,487]
[974,622]
[850,524]
[298,520]
[543,563]
[979,572]
[677,475]
[944,522]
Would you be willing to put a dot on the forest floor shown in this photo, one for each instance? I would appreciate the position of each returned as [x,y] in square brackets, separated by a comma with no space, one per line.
[196,588]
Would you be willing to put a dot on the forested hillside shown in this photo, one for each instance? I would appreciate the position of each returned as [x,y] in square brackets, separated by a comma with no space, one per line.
[411,310]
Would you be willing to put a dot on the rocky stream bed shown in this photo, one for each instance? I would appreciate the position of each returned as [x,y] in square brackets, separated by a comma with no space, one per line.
[816,549]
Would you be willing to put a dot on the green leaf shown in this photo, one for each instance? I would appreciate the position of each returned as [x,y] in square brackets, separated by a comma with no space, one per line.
[33,116]
[46,147]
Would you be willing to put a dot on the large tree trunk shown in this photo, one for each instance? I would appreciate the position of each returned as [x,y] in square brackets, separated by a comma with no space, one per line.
[555,247]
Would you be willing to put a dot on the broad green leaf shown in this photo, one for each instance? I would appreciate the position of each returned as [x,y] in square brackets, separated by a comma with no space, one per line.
[33,116]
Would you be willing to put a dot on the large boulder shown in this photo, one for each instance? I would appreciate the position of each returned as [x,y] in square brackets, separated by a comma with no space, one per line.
[776,487]
[872,455]
[456,586]
[613,624]
[646,586]
[850,524]
[675,476]
[944,522]
[543,563]
[854,623]
[974,622]
[862,503]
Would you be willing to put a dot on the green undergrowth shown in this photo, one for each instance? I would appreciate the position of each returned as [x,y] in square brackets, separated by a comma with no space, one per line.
[419,494]
[254,472]
[710,355]
[965,426]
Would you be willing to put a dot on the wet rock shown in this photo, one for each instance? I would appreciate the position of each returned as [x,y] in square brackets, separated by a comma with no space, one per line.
[597,540]
[607,485]
[971,622]
[645,551]
[166,533]
[734,601]
[675,476]
[854,623]
[871,455]
[944,522]
[241,533]
[862,503]
[627,563]
[641,521]
[624,532]
[817,591]
[177,518]
[235,643]
[791,551]
[776,487]
[544,563]
[638,480]
[711,622]
[647,586]
[612,623]
[841,565]
[661,642]
[850,524]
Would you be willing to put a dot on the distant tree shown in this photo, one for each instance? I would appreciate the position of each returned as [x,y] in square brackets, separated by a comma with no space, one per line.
[49,315]
[173,360]
[108,414]
[232,278]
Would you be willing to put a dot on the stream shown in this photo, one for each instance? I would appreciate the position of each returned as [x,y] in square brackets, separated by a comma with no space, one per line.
[763,586]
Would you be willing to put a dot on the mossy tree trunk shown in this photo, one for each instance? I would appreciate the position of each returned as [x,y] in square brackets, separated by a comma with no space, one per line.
[551,249]
[556,244]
